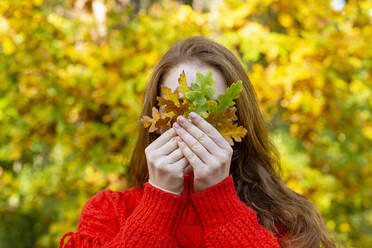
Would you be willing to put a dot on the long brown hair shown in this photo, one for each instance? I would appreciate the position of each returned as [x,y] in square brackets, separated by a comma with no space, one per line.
[255,163]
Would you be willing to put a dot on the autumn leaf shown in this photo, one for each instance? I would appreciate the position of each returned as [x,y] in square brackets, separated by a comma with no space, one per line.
[201,92]
[220,113]
[233,131]
[231,93]
[157,122]
[183,88]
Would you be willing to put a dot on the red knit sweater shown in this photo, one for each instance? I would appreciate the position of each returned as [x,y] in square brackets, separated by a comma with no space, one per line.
[147,216]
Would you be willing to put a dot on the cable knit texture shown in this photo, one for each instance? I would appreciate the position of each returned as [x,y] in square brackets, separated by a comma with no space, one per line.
[147,216]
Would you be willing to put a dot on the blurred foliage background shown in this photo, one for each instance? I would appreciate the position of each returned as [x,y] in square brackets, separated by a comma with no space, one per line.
[73,74]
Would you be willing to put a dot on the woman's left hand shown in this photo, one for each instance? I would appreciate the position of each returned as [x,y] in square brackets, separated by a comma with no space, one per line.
[206,149]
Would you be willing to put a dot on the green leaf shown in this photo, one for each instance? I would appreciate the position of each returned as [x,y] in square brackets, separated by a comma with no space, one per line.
[202,92]
[231,93]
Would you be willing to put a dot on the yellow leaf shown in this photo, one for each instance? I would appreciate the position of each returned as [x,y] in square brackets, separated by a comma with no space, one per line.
[233,131]
[37,2]
[183,88]
[331,224]
[8,46]
[4,26]
[345,227]
[286,20]
[172,96]
[367,131]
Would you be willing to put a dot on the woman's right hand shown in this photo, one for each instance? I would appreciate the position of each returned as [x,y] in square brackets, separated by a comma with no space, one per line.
[166,163]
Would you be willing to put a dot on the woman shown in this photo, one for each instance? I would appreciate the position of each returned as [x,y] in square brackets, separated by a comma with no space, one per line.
[190,188]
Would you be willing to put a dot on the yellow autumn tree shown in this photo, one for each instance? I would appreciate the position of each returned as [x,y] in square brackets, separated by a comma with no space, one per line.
[73,74]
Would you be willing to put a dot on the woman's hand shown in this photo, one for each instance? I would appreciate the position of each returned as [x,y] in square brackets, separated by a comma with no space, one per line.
[166,162]
[206,150]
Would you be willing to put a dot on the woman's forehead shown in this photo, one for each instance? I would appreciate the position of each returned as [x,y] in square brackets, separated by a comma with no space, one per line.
[170,79]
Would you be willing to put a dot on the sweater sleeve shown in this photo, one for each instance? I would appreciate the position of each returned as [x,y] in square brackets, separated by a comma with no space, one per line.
[227,221]
[162,188]
[104,222]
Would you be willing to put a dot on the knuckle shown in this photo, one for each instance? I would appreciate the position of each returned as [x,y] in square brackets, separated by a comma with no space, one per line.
[177,175]
[195,146]
[215,163]
[179,153]
[158,163]
[169,132]
[162,168]
[173,139]
[190,156]
[184,161]
[187,124]
[150,157]
[209,132]
[161,165]
[169,136]
[223,157]
[203,174]
[213,170]
[203,137]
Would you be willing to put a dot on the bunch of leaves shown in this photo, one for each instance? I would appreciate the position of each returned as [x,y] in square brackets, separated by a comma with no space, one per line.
[221,113]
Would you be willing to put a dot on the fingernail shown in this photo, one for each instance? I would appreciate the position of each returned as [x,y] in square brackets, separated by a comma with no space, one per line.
[193,115]
[182,119]
[176,125]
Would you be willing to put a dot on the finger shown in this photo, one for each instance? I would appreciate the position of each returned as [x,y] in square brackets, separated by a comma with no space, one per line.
[164,138]
[197,165]
[195,146]
[182,163]
[168,147]
[209,129]
[202,137]
[175,155]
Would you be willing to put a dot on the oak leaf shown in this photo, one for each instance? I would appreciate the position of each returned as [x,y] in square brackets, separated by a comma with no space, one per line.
[221,113]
